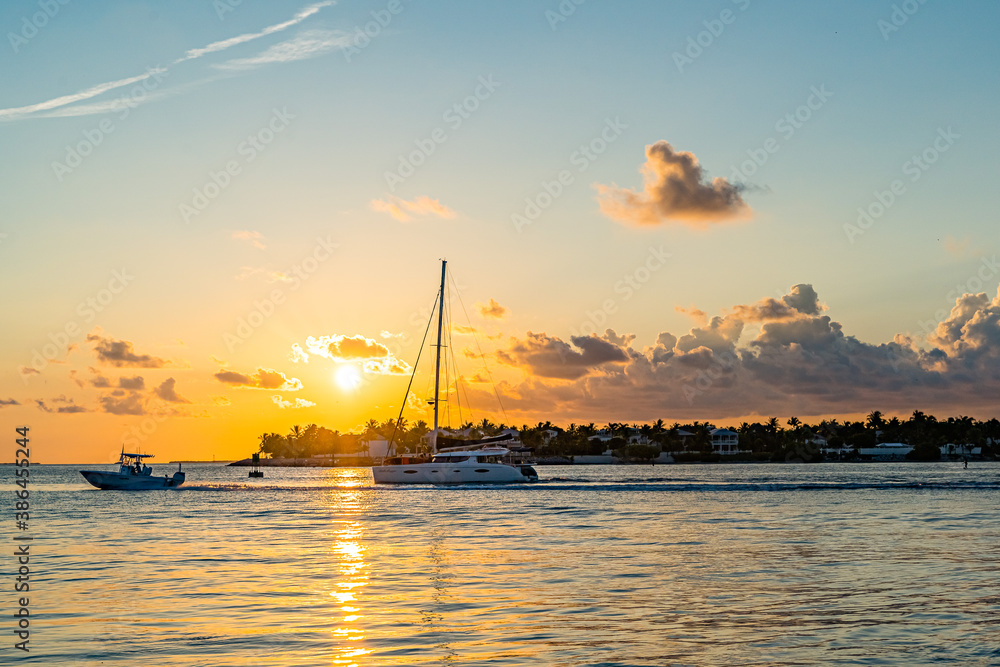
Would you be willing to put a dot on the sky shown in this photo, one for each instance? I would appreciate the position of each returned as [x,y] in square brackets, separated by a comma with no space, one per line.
[221,218]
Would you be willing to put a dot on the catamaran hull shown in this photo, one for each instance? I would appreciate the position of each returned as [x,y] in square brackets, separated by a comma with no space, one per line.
[444,473]
[114,480]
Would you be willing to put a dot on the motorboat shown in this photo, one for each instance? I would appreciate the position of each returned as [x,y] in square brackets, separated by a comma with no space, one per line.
[133,474]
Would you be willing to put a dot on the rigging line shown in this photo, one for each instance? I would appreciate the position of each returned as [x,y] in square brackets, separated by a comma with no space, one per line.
[481,354]
[448,368]
[464,387]
[454,365]
[416,364]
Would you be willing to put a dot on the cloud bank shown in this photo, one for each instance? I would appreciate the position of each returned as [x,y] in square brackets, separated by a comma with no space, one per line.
[801,362]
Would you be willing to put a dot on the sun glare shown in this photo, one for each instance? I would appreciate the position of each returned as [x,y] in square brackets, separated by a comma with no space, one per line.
[347,377]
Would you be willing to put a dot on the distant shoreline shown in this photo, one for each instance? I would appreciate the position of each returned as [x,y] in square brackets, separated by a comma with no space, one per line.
[367,463]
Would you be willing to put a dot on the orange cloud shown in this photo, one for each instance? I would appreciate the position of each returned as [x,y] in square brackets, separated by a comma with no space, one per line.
[491,309]
[404,211]
[167,392]
[264,378]
[375,357]
[674,190]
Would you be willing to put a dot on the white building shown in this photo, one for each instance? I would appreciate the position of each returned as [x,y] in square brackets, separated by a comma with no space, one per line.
[725,442]
[886,451]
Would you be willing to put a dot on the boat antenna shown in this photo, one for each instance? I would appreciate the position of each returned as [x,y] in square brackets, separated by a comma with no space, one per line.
[437,360]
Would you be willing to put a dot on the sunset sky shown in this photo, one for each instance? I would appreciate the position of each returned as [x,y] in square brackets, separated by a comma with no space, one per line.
[223,218]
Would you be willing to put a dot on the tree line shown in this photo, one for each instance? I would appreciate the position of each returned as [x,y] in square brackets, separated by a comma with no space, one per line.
[767,440]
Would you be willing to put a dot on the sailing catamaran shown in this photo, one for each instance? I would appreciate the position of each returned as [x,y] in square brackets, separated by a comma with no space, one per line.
[454,465]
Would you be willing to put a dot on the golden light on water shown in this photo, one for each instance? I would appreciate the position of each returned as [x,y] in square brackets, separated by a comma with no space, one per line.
[348,550]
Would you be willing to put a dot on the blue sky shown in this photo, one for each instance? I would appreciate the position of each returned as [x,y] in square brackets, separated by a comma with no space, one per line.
[337,114]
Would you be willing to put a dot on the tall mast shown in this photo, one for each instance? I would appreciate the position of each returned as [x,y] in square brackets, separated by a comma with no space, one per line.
[437,360]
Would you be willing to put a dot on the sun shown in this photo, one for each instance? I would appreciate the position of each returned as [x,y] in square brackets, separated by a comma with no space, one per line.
[347,377]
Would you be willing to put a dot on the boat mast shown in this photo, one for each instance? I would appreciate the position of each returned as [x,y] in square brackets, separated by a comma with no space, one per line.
[437,360]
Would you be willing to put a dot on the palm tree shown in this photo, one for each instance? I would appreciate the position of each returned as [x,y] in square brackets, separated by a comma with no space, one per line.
[293,439]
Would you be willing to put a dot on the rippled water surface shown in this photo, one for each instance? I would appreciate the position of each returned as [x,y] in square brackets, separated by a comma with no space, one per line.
[892,564]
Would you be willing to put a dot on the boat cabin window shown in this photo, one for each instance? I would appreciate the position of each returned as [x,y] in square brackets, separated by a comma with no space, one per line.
[441,458]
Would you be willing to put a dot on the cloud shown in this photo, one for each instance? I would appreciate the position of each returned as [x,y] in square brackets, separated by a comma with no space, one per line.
[99,381]
[132,383]
[224,44]
[800,362]
[388,366]
[462,329]
[167,393]
[298,355]
[404,211]
[9,401]
[28,370]
[14,113]
[309,44]
[285,52]
[957,248]
[264,378]
[492,309]
[551,357]
[253,238]
[675,190]
[120,402]
[121,353]
[67,406]
[375,357]
[801,300]
[298,403]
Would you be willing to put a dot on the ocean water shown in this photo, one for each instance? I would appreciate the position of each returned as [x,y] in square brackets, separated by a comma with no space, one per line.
[830,564]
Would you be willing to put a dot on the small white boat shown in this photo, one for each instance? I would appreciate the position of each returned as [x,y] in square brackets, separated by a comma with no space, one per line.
[133,474]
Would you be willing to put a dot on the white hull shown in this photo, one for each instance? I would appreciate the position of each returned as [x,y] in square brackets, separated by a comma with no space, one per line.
[451,473]
[130,482]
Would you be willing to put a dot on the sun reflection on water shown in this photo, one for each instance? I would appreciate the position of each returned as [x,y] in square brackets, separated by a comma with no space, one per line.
[348,552]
